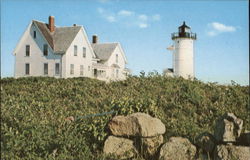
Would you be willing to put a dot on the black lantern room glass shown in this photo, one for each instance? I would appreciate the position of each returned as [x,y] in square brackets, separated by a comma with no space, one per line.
[184,32]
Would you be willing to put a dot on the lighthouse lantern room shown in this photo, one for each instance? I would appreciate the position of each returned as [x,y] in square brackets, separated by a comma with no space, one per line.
[183,52]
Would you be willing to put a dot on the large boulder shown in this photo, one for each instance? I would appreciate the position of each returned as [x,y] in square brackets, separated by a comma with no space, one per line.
[231,152]
[137,124]
[150,146]
[206,142]
[119,148]
[177,148]
[228,128]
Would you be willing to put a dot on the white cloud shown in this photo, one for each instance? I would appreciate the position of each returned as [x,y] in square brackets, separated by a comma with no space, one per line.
[125,13]
[128,18]
[211,33]
[110,18]
[143,17]
[156,17]
[216,28]
[222,28]
[143,25]
[106,15]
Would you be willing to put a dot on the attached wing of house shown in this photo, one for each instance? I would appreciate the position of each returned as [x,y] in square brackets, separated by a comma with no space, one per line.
[112,60]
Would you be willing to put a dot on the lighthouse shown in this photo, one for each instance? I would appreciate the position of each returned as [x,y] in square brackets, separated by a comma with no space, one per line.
[183,52]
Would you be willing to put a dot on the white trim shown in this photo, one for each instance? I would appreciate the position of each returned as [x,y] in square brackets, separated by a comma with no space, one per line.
[86,37]
[123,55]
[42,36]
[87,40]
[21,39]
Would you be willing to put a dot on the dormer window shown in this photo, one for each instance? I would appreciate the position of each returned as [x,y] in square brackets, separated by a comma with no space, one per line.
[34,34]
[45,49]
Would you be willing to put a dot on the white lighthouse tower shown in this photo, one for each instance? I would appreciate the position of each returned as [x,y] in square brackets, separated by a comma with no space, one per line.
[183,52]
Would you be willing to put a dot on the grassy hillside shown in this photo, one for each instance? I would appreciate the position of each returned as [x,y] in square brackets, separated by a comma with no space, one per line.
[34,111]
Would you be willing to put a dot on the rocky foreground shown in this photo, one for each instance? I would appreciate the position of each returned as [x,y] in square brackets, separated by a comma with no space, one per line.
[139,134]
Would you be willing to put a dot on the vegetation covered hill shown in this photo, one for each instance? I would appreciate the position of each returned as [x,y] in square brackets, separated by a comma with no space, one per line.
[34,111]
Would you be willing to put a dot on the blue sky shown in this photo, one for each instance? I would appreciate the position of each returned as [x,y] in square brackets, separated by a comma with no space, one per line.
[144,29]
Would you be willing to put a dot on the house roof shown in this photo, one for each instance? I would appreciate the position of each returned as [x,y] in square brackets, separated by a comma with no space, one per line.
[61,38]
[104,50]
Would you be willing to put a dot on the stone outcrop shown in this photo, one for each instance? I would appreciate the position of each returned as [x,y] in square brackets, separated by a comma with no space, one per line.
[231,152]
[137,124]
[120,148]
[140,135]
[140,131]
[177,148]
[206,142]
[228,128]
[151,145]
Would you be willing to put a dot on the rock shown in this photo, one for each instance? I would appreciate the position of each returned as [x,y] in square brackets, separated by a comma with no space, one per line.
[206,142]
[70,119]
[228,128]
[137,124]
[123,126]
[244,139]
[150,146]
[231,152]
[177,148]
[120,148]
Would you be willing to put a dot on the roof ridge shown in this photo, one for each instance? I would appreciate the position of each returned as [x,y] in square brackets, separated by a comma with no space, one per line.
[68,26]
[106,43]
[37,21]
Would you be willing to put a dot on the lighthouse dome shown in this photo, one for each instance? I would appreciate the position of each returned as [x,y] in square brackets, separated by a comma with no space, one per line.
[184,32]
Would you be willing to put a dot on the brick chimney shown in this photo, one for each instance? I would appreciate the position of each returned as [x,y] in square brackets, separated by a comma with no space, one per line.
[51,23]
[95,39]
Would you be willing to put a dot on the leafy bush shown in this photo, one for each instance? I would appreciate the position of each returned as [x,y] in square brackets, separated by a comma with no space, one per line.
[34,111]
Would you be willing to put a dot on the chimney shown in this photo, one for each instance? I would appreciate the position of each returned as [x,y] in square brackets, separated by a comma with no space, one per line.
[51,23]
[94,39]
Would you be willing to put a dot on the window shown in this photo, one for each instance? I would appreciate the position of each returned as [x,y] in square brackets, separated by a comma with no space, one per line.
[84,52]
[27,68]
[34,34]
[180,30]
[57,70]
[117,73]
[116,58]
[71,69]
[89,68]
[75,50]
[27,50]
[45,68]
[81,70]
[45,49]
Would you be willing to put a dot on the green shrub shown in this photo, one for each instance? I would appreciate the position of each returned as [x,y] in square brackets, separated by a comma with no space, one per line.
[34,111]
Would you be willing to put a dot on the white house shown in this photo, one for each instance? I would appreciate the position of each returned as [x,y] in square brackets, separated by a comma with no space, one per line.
[64,52]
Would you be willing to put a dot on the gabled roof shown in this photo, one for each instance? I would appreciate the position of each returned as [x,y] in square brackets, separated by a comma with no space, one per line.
[104,50]
[61,38]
